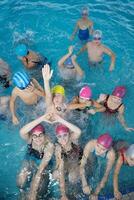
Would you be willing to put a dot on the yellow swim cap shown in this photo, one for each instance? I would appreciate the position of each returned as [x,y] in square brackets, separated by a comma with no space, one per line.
[58,89]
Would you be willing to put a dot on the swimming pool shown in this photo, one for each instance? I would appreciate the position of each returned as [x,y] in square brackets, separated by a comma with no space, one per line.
[46,27]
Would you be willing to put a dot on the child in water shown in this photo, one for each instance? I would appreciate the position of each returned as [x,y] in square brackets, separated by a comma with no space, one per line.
[114,106]
[69,68]
[28,90]
[84,26]
[101,148]
[39,153]
[68,155]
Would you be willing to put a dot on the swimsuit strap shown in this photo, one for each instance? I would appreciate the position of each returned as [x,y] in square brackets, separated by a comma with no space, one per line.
[122,154]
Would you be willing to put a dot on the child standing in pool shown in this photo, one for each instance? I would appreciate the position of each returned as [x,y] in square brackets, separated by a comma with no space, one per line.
[84,26]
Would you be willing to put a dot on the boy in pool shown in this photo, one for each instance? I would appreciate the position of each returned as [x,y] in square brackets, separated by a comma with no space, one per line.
[29,58]
[100,148]
[96,50]
[39,153]
[114,106]
[69,68]
[125,157]
[28,90]
[84,26]
[86,104]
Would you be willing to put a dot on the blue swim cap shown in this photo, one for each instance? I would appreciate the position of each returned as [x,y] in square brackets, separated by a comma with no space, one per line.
[21,50]
[68,61]
[21,80]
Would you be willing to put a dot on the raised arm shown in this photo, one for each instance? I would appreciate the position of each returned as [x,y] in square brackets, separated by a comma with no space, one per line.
[119,163]
[76,65]
[122,119]
[112,55]
[63,59]
[47,74]
[12,106]
[88,148]
[110,162]
[37,178]
[24,131]
[75,31]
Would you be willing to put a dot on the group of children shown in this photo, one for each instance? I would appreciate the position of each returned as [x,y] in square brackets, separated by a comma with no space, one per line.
[73,165]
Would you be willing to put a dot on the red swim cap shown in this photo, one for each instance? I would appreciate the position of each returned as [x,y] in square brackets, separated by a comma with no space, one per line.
[38,128]
[119,91]
[105,140]
[61,129]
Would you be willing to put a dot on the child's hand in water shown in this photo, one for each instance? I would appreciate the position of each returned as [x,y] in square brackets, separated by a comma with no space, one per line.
[70,49]
[86,189]
[93,197]
[117,195]
[46,72]
[91,111]
[15,120]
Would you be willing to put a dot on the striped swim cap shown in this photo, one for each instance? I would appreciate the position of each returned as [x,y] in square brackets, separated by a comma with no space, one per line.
[21,80]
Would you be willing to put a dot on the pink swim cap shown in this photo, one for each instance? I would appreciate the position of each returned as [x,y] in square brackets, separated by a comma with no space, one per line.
[61,129]
[119,91]
[38,128]
[105,140]
[85,93]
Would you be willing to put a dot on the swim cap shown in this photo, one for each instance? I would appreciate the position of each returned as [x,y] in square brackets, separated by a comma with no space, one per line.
[119,91]
[85,93]
[68,61]
[38,128]
[21,80]
[58,89]
[97,34]
[21,50]
[85,11]
[61,129]
[130,151]
[105,140]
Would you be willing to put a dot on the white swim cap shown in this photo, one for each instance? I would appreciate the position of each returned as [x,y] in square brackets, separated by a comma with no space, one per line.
[130,151]
[85,11]
[97,34]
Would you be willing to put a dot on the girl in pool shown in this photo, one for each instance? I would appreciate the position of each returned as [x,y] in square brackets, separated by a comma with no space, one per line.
[84,26]
[114,106]
[125,157]
[55,98]
[28,90]
[68,154]
[100,148]
[39,153]
[86,104]
[69,67]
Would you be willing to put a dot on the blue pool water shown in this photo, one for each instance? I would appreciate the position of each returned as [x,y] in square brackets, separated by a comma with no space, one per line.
[46,27]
